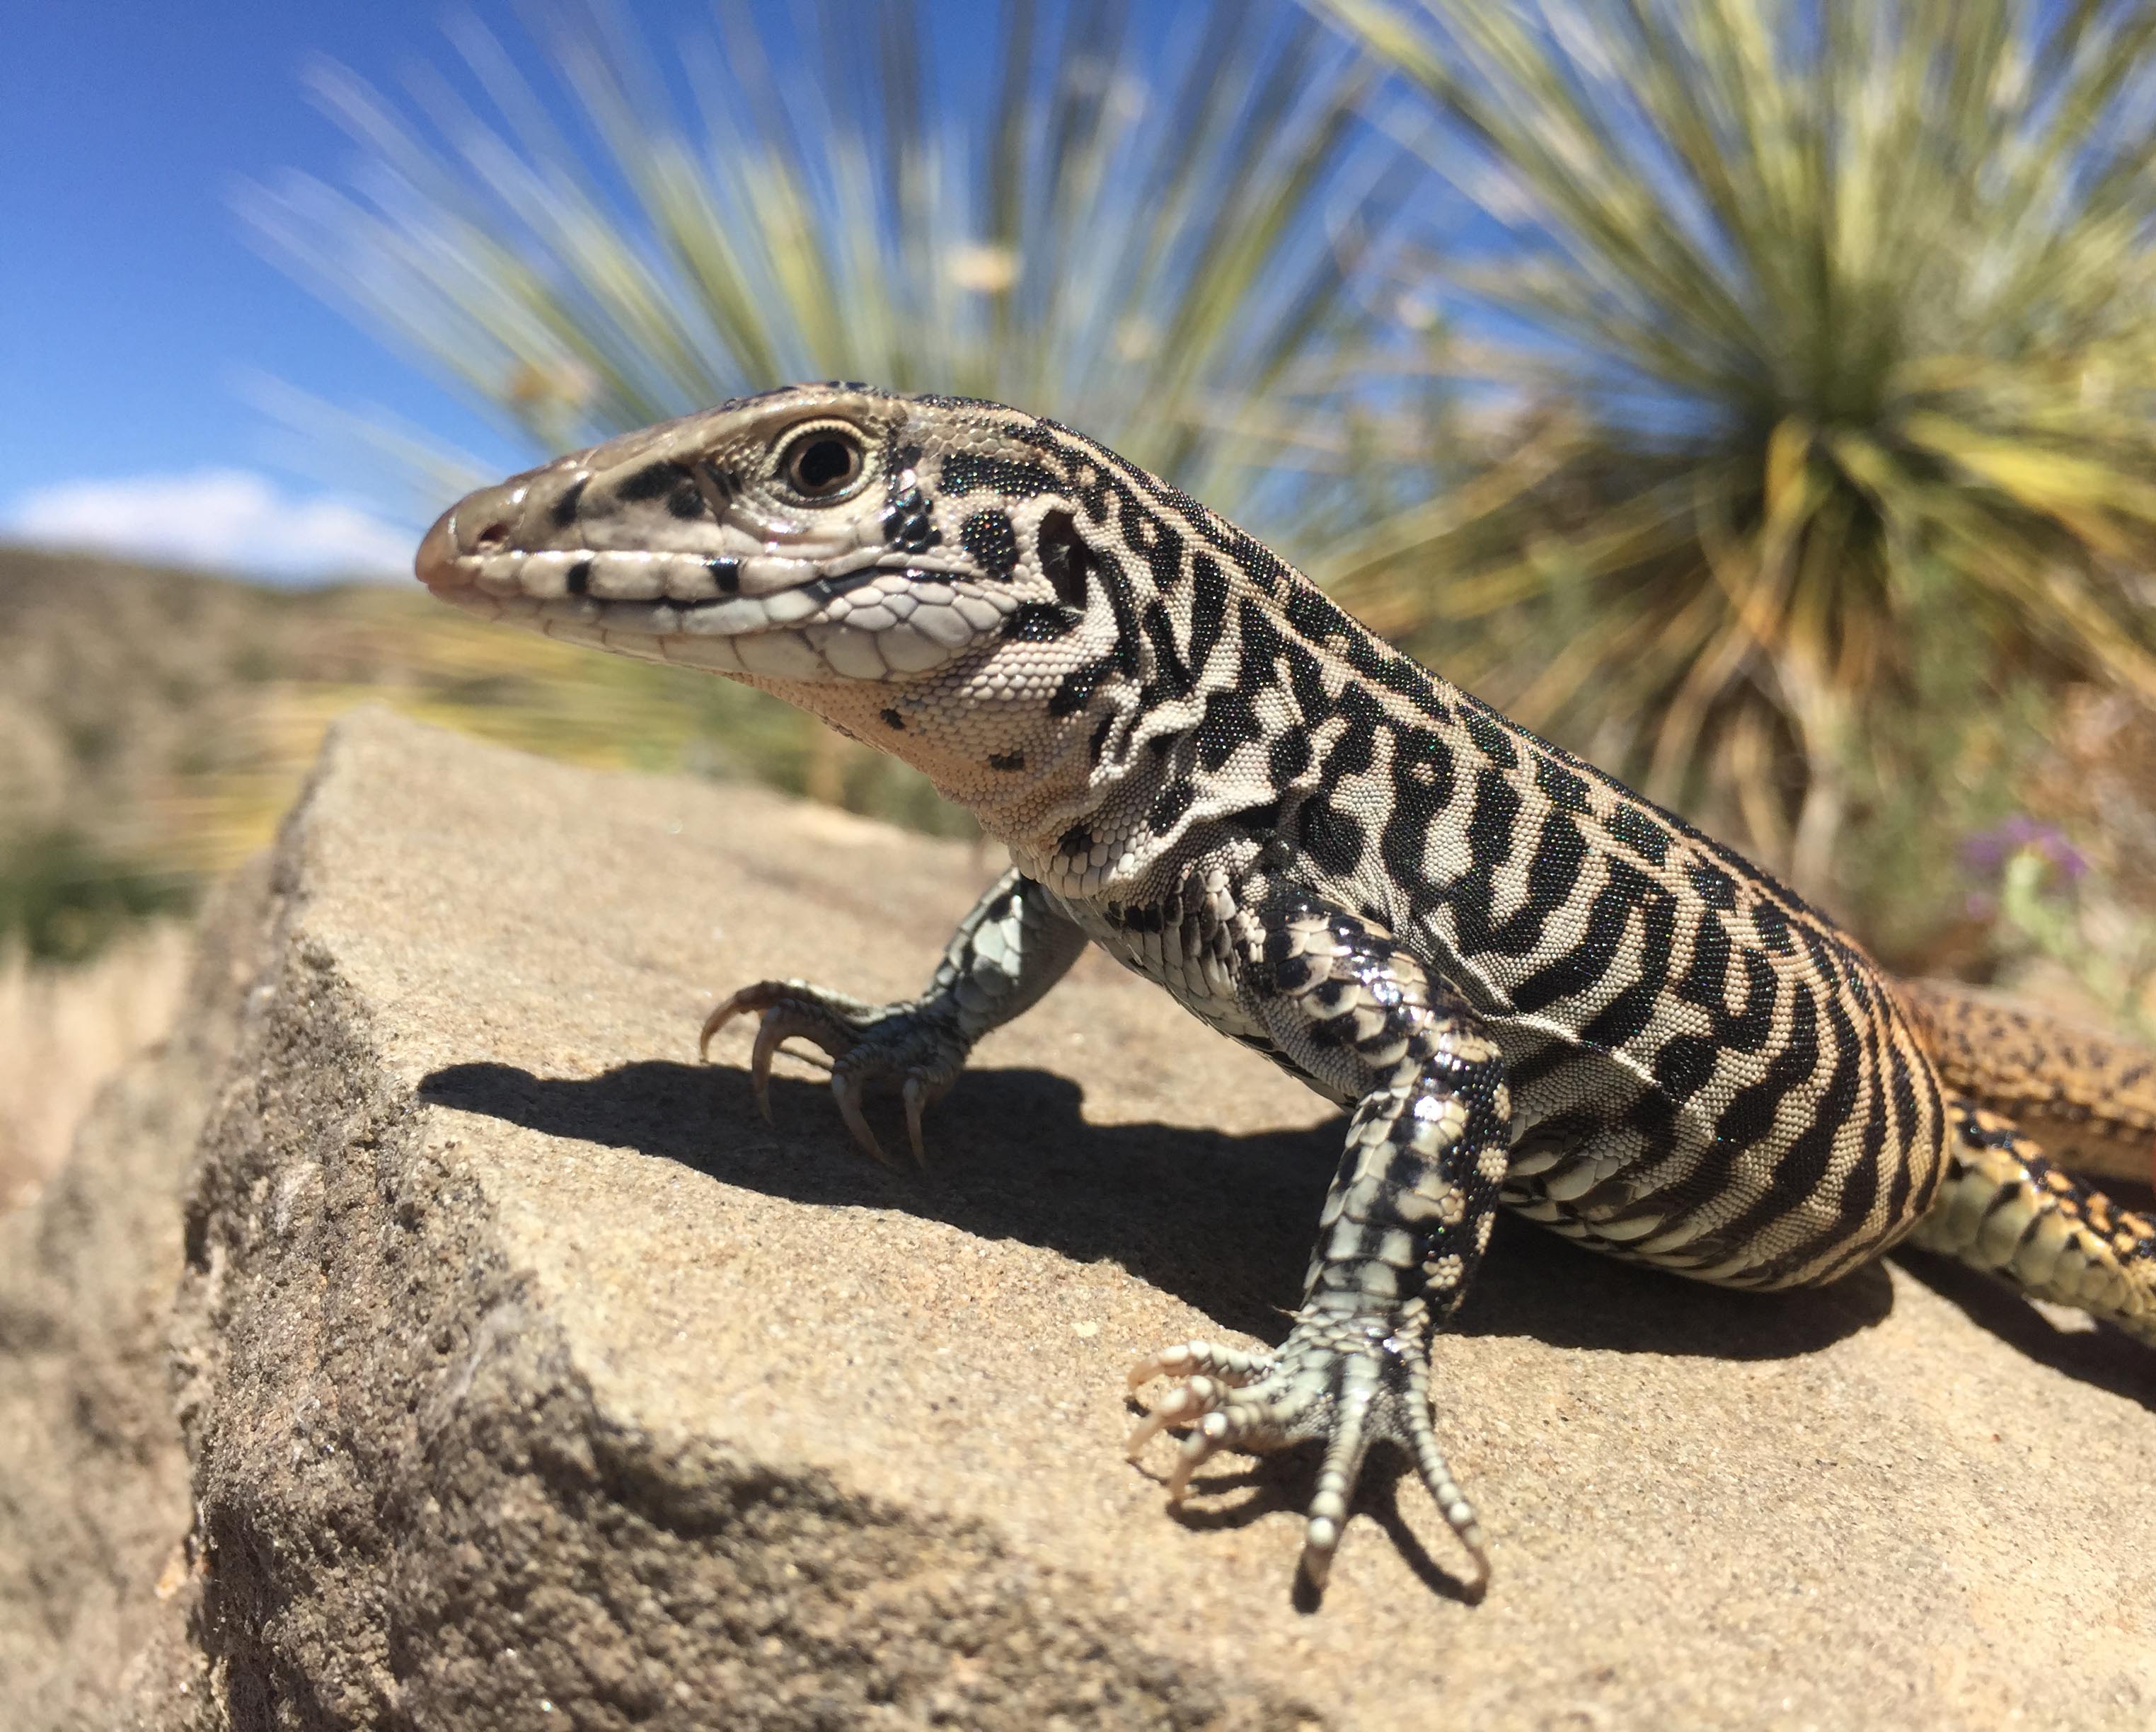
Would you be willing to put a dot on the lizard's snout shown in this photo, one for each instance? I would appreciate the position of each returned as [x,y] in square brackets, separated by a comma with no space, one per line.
[435,564]
[517,515]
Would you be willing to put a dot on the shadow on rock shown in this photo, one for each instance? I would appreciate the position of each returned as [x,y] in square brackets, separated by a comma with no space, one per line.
[2102,1357]
[1224,1223]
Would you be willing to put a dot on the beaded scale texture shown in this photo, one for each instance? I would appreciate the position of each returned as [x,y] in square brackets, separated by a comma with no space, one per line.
[1531,987]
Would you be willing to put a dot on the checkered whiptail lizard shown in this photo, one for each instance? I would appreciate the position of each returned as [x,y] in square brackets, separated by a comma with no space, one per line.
[1531,986]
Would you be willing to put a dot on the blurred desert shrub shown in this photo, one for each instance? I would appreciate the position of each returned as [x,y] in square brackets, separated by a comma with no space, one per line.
[1832,328]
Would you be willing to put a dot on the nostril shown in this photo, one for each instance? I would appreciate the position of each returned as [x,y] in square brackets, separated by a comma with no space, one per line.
[494,535]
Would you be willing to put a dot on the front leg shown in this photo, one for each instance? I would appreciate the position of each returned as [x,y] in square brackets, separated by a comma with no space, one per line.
[1404,1226]
[1005,955]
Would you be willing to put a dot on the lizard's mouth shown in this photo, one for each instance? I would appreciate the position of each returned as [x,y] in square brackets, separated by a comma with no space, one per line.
[859,613]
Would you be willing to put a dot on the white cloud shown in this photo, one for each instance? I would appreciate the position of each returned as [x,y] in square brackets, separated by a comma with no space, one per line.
[232,521]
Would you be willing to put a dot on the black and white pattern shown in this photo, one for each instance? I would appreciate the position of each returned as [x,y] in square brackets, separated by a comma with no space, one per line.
[1533,986]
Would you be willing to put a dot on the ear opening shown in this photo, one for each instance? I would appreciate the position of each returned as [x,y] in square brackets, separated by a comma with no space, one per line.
[1064,557]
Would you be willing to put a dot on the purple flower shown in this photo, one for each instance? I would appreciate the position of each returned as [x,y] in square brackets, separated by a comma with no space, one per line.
[1987,851]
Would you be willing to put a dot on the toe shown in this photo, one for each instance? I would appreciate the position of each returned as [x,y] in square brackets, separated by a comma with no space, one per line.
[846,1088]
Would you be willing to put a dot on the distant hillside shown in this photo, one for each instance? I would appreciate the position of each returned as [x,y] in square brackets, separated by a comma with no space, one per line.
[154,723]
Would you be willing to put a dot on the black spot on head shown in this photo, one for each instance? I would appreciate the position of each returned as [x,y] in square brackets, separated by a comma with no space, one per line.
[1064,557]
[1075,840]
[908,524]
[964,471]
[1174,800]
[726,574]
[1075,690]
[579,579]
[651,482]
[563,510]
[685,500]
[1007,761]
[988,536]
[891,718]
[1039,623]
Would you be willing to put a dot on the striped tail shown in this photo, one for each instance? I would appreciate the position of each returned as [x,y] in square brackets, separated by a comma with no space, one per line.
[2005,1209]
[2087,1098]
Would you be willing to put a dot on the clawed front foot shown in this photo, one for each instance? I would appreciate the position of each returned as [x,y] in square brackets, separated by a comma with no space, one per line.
[915,1047]
[1342,1380]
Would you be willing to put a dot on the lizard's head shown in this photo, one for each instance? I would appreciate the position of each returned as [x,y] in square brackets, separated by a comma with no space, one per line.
[787,537]
[912,569]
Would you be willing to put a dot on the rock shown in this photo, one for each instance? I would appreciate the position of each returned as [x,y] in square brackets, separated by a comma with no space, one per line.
[528,1378]
[94,1575]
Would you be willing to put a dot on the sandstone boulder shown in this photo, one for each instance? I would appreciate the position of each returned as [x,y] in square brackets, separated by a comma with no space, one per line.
[528,1378]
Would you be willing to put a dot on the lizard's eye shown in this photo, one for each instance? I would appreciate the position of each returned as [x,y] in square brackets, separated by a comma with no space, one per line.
[822,464]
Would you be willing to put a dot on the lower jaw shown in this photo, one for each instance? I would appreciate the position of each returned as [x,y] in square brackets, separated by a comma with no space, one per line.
[817,653]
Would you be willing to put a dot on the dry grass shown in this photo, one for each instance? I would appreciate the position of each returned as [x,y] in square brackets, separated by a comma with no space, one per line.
[64,1032]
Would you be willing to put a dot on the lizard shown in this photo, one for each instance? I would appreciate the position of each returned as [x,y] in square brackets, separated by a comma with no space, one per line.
[1530,988]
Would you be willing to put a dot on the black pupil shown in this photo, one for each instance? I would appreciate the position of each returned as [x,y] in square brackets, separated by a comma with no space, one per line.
[824,464]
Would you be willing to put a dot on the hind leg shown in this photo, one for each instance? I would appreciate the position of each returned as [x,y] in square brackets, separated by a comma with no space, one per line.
[2005,1209]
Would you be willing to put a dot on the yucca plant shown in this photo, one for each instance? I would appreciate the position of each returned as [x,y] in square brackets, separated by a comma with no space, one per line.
[1173,230]
[1832,326]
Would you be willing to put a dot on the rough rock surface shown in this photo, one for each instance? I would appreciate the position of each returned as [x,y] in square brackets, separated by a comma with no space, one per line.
[94,1584]
[530,1379]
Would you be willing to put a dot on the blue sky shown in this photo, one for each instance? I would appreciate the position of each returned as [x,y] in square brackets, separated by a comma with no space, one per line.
[135,318]
[139,329]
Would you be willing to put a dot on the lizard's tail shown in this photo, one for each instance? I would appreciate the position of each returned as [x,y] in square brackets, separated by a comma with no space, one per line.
[2089,1099]
[2005,1209]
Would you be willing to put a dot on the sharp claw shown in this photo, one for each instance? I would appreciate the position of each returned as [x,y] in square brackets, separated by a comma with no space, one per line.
[722,1014]
[1151,1427]
[1193,1400]
[1478,1584]
[917,1097]
[769,1033]
[1452,1503]
[1168,1362]
[848,1090]
[718,1019]
[1199,1447]
[1317,1552]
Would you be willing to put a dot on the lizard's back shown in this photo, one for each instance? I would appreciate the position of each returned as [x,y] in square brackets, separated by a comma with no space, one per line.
[1706,1074]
